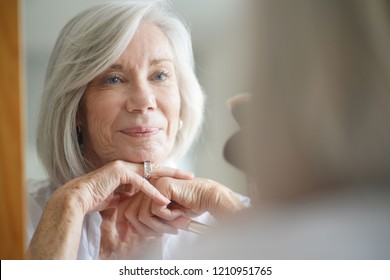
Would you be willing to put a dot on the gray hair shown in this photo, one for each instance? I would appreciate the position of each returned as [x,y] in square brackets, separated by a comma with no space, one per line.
[91,42]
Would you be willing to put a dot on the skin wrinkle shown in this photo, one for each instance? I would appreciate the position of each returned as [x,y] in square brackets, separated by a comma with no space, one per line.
[140,90]
[131,94]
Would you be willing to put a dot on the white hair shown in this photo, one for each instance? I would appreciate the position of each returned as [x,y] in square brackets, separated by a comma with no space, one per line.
[91,42]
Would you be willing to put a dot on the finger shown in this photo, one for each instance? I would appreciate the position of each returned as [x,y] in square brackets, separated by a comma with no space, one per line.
[113,201]
[148,189]
[119,173]
[126,189]
[174,189]
[165,212]
[172,172]
[131,214]
[159,171]
[122,225]
[140,183]
[110,202]
[181,222]
[108,214]
[147,218]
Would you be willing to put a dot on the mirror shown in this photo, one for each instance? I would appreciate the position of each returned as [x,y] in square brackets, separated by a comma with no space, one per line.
[219,30]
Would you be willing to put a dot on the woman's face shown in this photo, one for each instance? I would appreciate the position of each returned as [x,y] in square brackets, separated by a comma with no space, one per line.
[131,111]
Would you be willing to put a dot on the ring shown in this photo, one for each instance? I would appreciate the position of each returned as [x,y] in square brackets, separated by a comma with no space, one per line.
[147,170]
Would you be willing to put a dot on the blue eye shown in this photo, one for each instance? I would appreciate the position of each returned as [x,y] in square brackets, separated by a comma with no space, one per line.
[161,76]
[112,80]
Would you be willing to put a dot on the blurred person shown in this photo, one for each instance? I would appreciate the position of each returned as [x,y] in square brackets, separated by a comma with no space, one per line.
[121,103]
[317,136]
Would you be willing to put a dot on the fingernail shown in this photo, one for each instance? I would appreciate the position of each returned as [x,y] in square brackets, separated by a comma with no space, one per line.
[166,200]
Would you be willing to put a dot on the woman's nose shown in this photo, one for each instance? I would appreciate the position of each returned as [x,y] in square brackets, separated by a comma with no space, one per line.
[141,99]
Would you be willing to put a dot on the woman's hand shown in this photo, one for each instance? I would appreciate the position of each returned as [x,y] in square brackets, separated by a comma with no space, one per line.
[122,236]
[189,198]
[101,188]
[59,230]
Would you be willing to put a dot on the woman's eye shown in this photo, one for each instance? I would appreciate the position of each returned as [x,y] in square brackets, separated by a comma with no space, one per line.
[112,80]
[161,76]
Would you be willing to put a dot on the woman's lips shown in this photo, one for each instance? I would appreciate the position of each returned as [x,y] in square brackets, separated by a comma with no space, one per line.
[141,131]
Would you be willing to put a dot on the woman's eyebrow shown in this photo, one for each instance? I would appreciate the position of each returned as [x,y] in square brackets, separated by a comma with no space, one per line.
[116,66]
[159,61]
[152,63]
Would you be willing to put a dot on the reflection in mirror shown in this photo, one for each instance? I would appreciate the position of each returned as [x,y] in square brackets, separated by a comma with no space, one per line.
[97,141]
[218,31]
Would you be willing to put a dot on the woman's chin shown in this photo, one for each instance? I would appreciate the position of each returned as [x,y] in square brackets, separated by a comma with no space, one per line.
[141,155]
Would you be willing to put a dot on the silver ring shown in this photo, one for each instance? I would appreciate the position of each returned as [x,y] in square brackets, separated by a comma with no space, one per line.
[147,170]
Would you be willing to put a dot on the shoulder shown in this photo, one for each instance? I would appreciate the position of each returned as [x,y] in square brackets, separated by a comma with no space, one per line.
[344,226]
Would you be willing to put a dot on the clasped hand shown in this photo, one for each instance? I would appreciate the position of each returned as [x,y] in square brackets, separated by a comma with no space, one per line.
[134,211]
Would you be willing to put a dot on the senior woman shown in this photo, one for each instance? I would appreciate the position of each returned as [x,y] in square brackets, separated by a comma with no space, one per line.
[121,101]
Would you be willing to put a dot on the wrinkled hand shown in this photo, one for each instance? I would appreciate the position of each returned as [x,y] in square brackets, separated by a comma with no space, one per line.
[58,233]
[123,235]
[101,188]
[189,198]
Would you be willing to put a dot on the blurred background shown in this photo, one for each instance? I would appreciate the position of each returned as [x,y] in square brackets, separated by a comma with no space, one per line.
[221,39]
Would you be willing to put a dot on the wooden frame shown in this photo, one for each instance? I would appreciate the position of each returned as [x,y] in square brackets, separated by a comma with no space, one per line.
[12,202]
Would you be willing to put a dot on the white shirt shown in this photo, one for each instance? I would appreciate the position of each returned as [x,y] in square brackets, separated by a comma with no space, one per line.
[39,193]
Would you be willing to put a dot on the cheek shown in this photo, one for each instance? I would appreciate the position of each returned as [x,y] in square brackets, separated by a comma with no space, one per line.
[100,114]
[98,124]
[172,108]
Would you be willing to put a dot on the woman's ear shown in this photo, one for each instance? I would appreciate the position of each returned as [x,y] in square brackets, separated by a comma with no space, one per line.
[78,130]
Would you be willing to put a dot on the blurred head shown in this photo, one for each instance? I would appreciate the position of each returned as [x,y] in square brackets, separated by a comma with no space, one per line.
[123,73]
[320,116]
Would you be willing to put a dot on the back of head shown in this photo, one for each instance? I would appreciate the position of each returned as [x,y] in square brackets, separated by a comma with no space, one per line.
[318,122]
[320,112]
